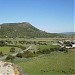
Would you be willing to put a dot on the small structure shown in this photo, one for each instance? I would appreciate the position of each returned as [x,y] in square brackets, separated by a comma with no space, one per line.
[60,42]
[73,44]
[68,44]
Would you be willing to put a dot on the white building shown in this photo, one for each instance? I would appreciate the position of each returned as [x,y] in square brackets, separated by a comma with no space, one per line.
[73,45]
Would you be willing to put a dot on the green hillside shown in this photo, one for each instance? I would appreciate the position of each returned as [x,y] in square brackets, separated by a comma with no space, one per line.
[24,29]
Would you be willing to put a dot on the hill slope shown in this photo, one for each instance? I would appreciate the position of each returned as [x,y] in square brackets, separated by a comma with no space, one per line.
[22,30]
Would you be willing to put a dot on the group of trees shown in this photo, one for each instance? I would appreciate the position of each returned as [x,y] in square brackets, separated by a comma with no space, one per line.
[26,54]
[47,51]
[33,42]
[29,54]
[14,43]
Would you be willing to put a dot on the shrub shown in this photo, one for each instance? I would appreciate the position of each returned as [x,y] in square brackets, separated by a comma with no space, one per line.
[22,47]
[28,54]
[19,55]
[10,57]
[46,51]
[2,43]
[63,49]
[1,54]
[12,49]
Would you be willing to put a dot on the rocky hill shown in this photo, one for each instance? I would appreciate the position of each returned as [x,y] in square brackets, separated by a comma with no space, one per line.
[24,29]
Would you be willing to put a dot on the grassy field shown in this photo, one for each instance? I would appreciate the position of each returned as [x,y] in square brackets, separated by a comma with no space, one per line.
[36,39]
[6,49]
[56,63]
[41,47]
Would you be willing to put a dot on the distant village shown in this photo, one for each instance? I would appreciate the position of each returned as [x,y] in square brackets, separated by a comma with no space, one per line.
[67,44]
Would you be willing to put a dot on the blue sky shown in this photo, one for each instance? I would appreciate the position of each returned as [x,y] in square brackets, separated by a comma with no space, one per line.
[47,15]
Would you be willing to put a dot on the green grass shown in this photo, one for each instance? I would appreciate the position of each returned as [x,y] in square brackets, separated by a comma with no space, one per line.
[56,63]
[35,39]
[41,47]
[6,49]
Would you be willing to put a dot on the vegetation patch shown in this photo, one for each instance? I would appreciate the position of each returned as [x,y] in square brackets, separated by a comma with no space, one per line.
[46,49]
[55,63]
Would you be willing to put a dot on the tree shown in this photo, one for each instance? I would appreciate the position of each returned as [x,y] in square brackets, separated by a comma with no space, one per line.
[12,50]
[10,57]
[2,43]
[1,54]
[19,55]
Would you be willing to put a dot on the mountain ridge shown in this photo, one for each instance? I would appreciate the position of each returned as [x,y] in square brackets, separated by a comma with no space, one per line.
[68,33]
[23,29]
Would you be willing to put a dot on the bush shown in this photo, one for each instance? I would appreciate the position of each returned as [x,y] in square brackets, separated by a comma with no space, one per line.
[22,47]
[2,43]
[63,49]
[39,52]
[19,55]
[1,54]
[10,57]
[49,50]
[46,51]
[28,54]
[12,49]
